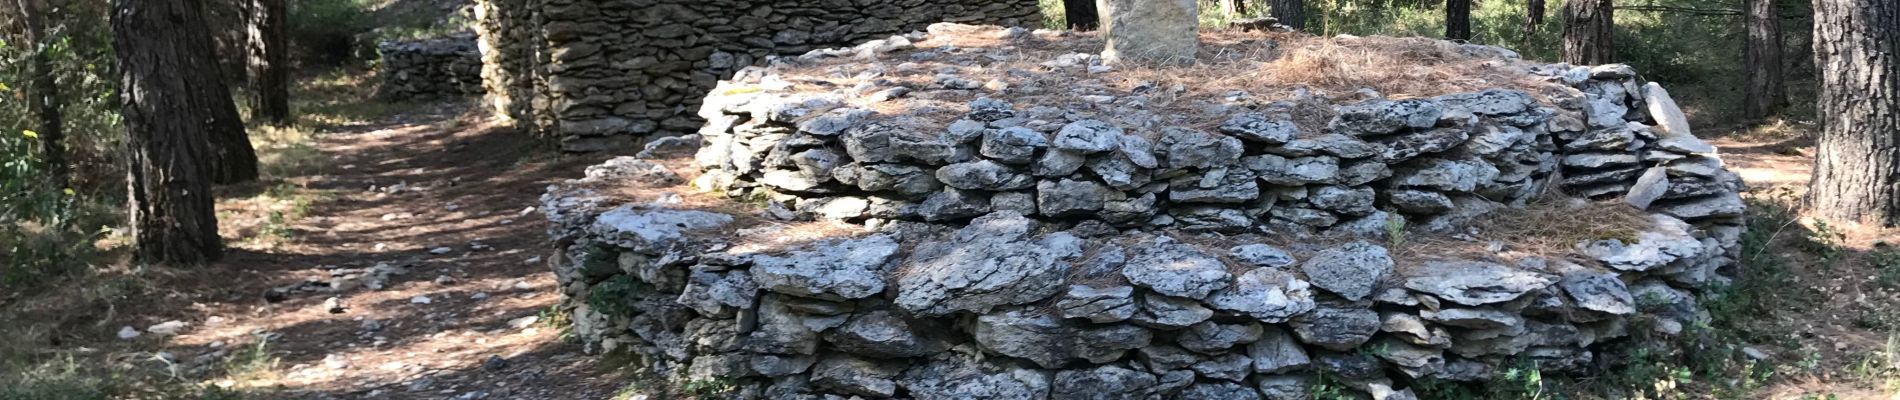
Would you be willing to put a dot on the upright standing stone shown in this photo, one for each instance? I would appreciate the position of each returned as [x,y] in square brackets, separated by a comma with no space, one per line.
[1149,30]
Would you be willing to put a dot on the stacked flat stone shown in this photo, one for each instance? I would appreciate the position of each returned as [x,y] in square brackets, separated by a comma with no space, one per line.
[829,154]
[1621,137]
[606,73]
[448,66]
[1005,306]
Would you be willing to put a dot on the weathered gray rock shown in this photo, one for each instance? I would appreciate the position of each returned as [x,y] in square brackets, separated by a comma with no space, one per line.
[714,293]
[1067,197]
[1277,352]
[1103,305]
[952,204]
[885,334]
[1262,255]
[1598,291]
[1058,163]
[1344,200]
[1214,338]
[1267,294]
[1285,387]
[1351,271]
[1258,128]
[1013,145]
[1337,326]
[1176,269]
[1295,171]
[990,263]
[1418,201]
[1167,312]
[1444,175]
[1039,336]
[1217,185]
[780,330]
[1089,136]
[903,179]
[1105,382]
[962,377]
[834,270]
[1332,144]
[1229,367]
[836,121]
[1407,146]
[1474,283]
[1146,30]
[1473,318]
[1380,116]
[651,230]
[863,377]
[1220,390]
[1188,148]
[984,175]
[1668,242]
[1651,186]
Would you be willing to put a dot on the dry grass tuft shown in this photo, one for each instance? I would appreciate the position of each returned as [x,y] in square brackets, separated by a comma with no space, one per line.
[1396,67]
[1554,225]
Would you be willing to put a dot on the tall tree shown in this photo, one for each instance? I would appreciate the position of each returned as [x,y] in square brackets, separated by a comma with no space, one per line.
[164,54]
[1458,19]
[1533,17]
[1763,93]
[1081,15]
[43,99]
[1234,8]
[1857,162]
[268,68]
[1291,13]
[1587,27]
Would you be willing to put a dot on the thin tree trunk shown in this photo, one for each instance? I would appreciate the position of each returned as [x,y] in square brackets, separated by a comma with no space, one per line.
[1081,15]
[163,51]
[1290,13]
[1458,20]
[1762,90]
[1234,8]
[1587,27]
[42,95]
[1857,162]
[269,71]
[1533,18]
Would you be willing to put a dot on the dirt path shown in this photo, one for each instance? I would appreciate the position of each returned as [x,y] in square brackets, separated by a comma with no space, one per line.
[446,202]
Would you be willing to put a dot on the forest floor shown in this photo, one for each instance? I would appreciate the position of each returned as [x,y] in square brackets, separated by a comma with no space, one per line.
[392,251]
[446,196]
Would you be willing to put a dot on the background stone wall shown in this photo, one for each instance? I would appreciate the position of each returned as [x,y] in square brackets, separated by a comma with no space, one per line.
[602,74]
[445,66]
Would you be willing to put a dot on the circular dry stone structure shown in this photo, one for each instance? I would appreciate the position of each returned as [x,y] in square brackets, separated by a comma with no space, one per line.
[980,213]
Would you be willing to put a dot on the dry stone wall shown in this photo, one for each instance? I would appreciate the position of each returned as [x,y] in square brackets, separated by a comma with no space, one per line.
[448,66]
[1085,252]
[604,74]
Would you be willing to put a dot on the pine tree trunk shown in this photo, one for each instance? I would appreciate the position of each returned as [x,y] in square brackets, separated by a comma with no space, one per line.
[1857,163]
[269,69]
[163,52]
[1081,15]
[1290,13]
[1762,90]
[1587,27]
[1533,17]
[1458,19]
[1234,8]
[42,95]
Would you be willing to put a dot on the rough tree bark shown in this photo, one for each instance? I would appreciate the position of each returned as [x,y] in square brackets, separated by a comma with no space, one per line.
[1587,27]
[1857,162]
[268,63]
[1762,89]
[1081,15]
[42,94]
[1533,17]
[1234,8]
[163,50]
[1458,19]
[1291,13]
[232,158]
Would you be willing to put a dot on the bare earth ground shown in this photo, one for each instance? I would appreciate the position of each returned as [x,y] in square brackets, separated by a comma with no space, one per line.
[398,193]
